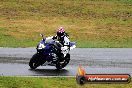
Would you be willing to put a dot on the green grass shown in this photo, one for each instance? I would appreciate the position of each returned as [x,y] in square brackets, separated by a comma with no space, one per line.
[91,23]
[60,82]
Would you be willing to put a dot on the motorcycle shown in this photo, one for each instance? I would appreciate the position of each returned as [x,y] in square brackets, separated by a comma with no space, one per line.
[48,54]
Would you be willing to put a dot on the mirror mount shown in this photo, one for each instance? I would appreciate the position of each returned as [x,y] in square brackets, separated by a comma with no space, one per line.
[42,36]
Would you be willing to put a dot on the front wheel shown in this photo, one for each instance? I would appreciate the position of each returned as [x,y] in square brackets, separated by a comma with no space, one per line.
[34,61]
[63,63]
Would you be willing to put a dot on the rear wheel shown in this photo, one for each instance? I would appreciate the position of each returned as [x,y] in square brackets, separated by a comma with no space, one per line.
[61,64]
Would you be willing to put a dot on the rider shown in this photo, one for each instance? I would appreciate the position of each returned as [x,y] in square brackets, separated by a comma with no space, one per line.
[62,40]
[62,37]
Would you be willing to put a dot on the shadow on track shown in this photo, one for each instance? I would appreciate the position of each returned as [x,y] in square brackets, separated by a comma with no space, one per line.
[50,72]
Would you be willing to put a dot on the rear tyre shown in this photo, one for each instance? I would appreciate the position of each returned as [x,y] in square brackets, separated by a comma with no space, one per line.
[63,63]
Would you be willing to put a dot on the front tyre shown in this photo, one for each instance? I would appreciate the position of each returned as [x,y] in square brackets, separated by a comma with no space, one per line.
[34,61]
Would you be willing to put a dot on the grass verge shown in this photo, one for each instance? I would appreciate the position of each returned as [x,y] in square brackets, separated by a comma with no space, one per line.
[43,82]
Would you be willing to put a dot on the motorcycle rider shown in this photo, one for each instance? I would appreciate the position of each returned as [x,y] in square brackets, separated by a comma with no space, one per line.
[62,37]
[62,41]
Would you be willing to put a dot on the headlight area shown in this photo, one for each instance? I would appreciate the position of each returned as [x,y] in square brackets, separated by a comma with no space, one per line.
[40,46]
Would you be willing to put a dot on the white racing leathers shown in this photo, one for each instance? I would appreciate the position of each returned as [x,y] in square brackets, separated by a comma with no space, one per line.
[65,48]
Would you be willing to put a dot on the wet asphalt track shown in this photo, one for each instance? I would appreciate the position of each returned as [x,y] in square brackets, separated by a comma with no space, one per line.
[14,62]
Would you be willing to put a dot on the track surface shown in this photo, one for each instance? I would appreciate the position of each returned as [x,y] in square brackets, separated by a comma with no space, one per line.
[14,62]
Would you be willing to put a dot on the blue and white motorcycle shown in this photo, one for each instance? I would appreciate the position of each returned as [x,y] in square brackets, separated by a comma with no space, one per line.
[47,54]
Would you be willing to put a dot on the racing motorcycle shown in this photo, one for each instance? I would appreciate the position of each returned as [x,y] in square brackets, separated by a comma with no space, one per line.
[47,54]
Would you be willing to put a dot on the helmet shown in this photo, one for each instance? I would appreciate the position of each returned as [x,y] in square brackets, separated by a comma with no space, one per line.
[60,32]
